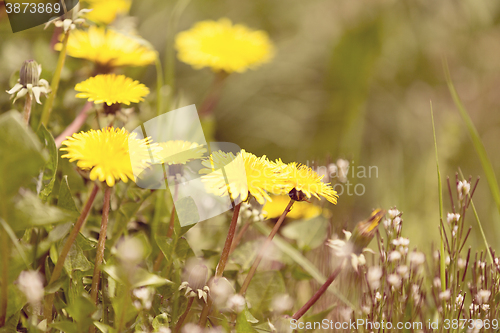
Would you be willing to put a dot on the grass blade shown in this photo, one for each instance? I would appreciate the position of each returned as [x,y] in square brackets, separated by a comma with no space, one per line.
[476,140]
[442,264]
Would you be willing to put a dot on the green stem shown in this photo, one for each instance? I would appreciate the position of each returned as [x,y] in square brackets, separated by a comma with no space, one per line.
[159,85]
[4,296]
[213,96]
[101,245]
[263,249]
[184,315]
[222,261]
[56,273]
[54,85]
[229,241]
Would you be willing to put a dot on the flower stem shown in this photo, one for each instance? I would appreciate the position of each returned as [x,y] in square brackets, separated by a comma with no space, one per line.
[56,273]
[54,85]
[222,261]
[268,241]
[184,315]
[213,95]
[101,245]
[227,245]
[240,234]
[75,125]
[4,250]
[27,109]
[318,294]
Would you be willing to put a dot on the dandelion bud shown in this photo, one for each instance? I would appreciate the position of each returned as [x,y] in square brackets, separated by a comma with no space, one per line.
[30,73]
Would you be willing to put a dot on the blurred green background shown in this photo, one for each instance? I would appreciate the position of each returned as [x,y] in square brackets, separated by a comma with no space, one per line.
[351,79]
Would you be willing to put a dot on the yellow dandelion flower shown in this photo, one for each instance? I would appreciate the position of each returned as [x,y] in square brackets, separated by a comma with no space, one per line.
[180,152]
[110,154]
[300,210]
[108,48]
[302,178]
[105,12]
[111,89]
[245,173]
[223,46]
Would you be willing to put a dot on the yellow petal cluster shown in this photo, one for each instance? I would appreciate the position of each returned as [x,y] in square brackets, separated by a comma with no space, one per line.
[110,154]
[111,89]
[108,48]
[240,175]
[105,12]
[223,46]
[180,152]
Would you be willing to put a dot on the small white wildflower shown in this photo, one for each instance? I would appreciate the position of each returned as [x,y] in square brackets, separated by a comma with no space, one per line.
[452,218]
[415,289]
[394,280]
[236,303]
[130,251]
[474,307]
[459,299]
[445,295]
[454,231]
[346,313]
[145,295]
[394,255]
[437,282]
[485,307]
[483,264]
[378,296]
[417,258]
[365,309]
[164,330]
[220,291]
[397,221]
[461,263]
[282,303]
[192,328]
[387,223]
[393,213]
[402,271]
[401,241]
[483,296]
[463,188]
[447,260]
[31,284]
[343,169]
[373,276]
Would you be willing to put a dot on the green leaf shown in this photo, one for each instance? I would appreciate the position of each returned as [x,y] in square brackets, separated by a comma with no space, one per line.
[65,199]
[187,211]
[11,324]
[309,234]
[103,327]
[30,211]
[21,155]
[139,277]
[160,321]
[81,311]
[243,325]
[65,326]
[264,287]
[49,172]
[183,250]
[76,260]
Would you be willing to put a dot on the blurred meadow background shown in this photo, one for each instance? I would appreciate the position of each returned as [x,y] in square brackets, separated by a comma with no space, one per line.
[350,79]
